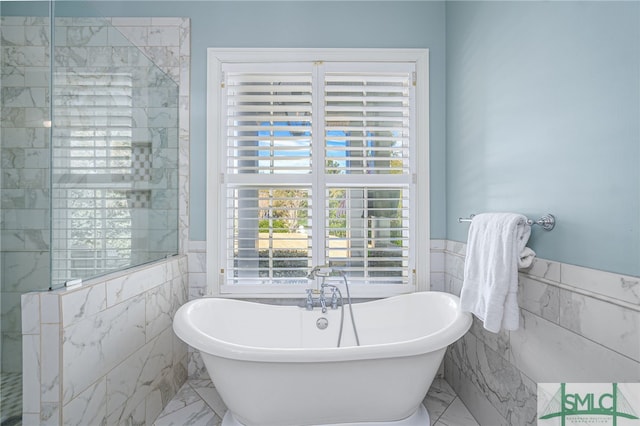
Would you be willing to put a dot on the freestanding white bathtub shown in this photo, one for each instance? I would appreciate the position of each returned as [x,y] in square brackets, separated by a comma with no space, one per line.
[273,366]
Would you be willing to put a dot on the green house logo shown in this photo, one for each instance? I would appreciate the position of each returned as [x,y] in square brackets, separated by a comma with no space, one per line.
[589,404]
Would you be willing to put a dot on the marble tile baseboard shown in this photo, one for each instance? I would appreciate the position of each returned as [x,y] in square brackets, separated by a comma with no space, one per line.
[576,325]
[606,286]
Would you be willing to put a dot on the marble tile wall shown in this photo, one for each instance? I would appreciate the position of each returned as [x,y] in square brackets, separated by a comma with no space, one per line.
[576,325]
[105,352]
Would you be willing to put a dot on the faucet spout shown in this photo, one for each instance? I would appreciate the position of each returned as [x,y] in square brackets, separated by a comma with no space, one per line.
[334,298]
[323,302]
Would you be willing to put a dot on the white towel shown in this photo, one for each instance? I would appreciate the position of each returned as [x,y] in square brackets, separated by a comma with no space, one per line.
[495,251]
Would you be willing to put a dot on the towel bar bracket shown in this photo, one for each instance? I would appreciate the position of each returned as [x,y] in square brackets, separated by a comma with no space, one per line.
[546,222]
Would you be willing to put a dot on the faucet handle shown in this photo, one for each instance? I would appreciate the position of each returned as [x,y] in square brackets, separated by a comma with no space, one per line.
[309,300]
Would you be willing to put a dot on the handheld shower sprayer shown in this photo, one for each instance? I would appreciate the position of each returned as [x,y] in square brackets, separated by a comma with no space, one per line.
[319,271]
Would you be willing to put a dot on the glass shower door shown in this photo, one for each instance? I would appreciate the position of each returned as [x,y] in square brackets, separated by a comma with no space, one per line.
[24,183]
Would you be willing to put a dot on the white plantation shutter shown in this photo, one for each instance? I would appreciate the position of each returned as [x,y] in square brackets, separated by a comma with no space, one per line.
[368,233]
[268,172]
[268,118]
[330,142]
[367,120]
[264,244]
[368,114]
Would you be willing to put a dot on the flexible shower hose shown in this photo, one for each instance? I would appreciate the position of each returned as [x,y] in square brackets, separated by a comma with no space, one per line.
[353,321]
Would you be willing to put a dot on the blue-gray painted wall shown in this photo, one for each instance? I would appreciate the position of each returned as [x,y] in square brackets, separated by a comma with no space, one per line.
[543,115]
[535,106]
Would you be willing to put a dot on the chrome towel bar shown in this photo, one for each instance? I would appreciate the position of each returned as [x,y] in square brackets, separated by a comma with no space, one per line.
[546,222]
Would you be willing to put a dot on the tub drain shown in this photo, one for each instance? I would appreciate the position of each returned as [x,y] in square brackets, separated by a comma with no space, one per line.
[322,323]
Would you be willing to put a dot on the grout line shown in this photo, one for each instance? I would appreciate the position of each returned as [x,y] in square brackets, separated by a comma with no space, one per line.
[445,410]
[591,339]
[584,292]
[201,397]
[440,389]
[468,411]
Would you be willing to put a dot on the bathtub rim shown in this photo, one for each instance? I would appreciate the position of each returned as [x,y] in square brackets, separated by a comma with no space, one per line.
[201,341]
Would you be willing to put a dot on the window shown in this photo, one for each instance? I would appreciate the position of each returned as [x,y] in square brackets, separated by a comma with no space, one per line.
[313,160]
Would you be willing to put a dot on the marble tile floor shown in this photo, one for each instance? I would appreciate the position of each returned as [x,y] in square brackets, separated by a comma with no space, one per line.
[10,399]
[197,403]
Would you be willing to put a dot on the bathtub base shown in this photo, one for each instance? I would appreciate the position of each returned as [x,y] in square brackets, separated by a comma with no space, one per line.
[419,418]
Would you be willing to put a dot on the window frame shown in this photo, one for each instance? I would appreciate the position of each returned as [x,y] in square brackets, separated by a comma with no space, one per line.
[215,167]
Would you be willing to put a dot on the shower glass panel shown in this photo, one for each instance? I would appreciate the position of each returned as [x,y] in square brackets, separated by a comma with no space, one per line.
[114,153]
[24,182]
